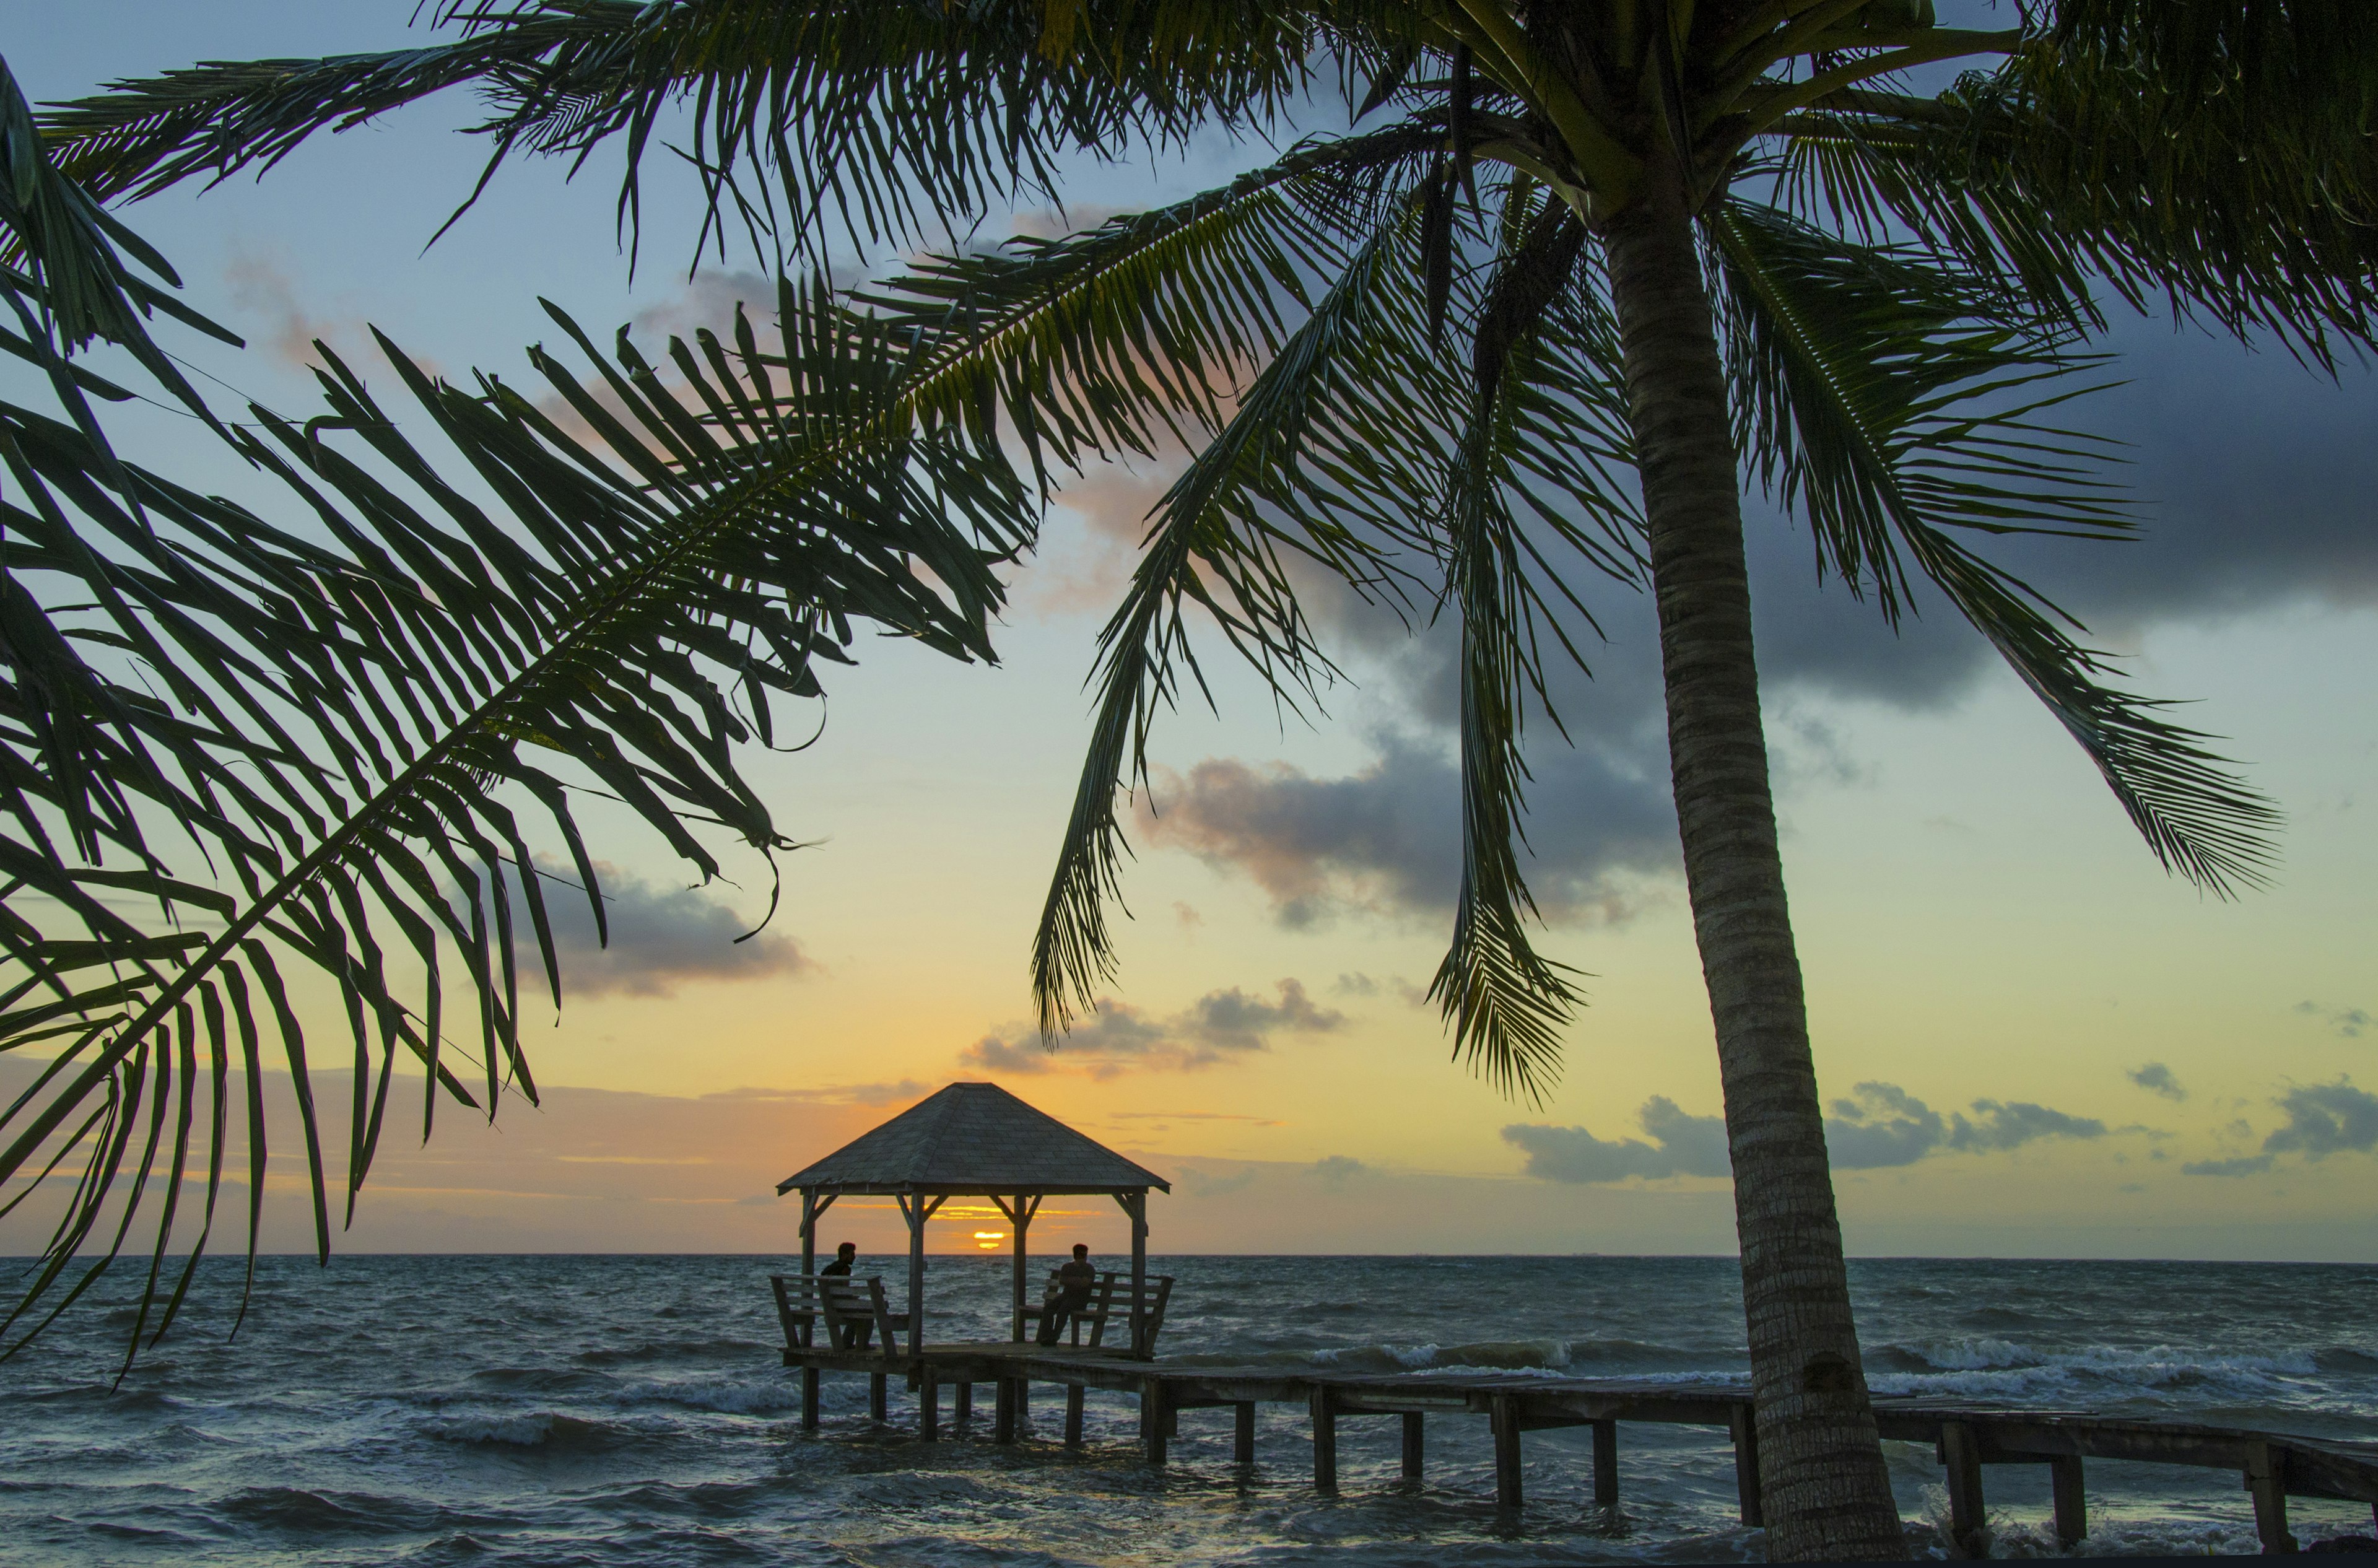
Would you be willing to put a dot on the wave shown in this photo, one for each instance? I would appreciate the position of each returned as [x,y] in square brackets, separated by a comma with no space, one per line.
[301,1512]
[531,1428]
[672,1350]
[2003,1368]
[755,1397]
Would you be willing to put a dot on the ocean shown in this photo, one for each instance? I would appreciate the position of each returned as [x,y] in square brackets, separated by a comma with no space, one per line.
[631,1410]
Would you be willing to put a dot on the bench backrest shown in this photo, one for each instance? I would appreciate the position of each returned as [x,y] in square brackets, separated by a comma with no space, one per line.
[1110,1302]
[846,1304]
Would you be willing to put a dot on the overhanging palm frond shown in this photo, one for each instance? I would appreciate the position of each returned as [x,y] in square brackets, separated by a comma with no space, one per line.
[348,718]
[902,120]
[1316,458]
[1891,407]
[2116,154]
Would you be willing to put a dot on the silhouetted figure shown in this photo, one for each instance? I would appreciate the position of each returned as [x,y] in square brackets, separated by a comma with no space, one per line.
[1075,1282]
[843,1256]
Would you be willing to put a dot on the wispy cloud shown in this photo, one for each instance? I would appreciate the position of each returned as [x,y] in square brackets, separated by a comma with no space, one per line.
[1219,1026]
[2158,1079]
[661,937]
[2348,1021]
[1878,1125]
[2323,1120]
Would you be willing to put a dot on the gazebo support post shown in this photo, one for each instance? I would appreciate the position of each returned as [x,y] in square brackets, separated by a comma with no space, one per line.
[1019,1222]
[1134,1203]
[917,1211]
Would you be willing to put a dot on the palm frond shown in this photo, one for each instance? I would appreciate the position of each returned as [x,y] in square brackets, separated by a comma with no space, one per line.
[2124,152]
[351,720]
[1896,410]
[898,121]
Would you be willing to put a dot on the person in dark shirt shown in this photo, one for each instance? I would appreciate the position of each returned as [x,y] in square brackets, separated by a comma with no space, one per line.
[1075,1282]
[843,1256]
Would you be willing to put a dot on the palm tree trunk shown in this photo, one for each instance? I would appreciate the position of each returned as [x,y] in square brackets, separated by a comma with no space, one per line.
[1824,1488]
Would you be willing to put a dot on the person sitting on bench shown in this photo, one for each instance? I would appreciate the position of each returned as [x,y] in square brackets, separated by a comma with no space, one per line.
[843,1256]
[1075,1282]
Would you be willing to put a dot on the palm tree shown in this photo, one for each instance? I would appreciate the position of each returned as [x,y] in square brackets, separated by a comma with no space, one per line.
[1692,241]
[231,741]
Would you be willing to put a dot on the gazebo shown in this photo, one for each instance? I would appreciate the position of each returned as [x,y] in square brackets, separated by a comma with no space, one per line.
[976,1140]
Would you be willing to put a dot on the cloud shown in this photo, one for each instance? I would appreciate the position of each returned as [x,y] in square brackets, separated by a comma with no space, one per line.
[2348,1021]
[1196,1184]
[2245,1165]
[1388,838]
[1680,1145]
[2323,1120]
[259,285]
[2156,1079]
[1356,983]
[660,938]
[1336,1169]
[1221,1025]
[1881,1125]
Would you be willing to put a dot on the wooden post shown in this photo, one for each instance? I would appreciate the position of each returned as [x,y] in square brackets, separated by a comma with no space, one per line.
[877,1410]
[1152,1423]
[1605,1464]
[961,1403]
[1019,1222]
[928,1405]
[1074,1415]
[912,1206]
[1003,1420]
[809,1398]
[809,1232]
[1136,1207]
[1745,1467]
[1243,1432]
[1023,1401]
[1414,1441]
[1961,1454]
[2266,1480]
[1505,1411]
[1325,1438]
[2072,1500]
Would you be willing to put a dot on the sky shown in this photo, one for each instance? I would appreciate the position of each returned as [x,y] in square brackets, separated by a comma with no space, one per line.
[2030,1039]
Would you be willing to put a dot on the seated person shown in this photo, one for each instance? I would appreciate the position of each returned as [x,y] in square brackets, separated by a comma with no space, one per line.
[1069,1295]
[843,1256]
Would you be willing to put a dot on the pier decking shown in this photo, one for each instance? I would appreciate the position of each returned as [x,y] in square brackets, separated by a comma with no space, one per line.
[2271,1467]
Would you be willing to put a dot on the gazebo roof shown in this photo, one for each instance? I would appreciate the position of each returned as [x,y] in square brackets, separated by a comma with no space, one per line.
[974,1138]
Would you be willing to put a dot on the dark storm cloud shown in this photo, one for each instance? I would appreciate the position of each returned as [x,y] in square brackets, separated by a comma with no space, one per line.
[1219,1026]
[1389,836]
[660,937]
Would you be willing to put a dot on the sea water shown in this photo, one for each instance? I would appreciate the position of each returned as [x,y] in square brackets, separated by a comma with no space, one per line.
[600,1410]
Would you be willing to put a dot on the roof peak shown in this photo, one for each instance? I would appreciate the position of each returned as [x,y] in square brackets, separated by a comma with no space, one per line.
[974,1143]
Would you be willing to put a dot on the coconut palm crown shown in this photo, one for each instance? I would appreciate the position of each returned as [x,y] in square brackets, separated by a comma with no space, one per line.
[1575,274]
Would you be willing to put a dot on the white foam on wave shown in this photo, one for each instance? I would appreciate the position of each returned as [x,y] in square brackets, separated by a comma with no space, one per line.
[2003,1368]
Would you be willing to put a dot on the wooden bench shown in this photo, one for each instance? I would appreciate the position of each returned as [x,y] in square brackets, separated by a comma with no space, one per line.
[845,1306]
[1111,1302]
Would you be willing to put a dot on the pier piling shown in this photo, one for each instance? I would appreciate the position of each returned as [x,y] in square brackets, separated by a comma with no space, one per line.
[1243,1432]
[961,1402]
[878,1410]
[1003,1411]
[1325,1438]
[809,1399]
[2266,1480]
[1074,1394]
[1745,1429]
[1504,1410]
[1961,1458]
[2072,1500]
[1605,1464]
[1152,1423]
[928,1407]
[1413,1439]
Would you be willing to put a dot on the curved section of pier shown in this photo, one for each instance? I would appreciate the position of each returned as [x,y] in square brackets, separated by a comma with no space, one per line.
[1968,1439]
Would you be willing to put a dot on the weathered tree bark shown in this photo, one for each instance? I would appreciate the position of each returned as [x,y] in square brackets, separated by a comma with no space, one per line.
[1825,1490]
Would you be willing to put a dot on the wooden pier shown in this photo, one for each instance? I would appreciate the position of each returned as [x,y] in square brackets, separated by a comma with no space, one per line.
[1966,1439]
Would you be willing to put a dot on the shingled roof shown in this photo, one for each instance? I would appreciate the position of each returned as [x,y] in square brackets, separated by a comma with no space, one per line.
[974,1138]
